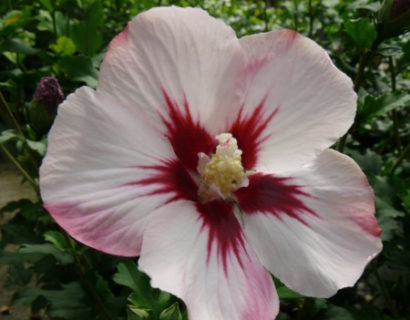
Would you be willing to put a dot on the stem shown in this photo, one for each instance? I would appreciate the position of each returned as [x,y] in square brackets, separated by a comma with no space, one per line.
[13,119]
[53,16]
[360,70]
[364,58]
[394,112]
[392,74]
[266,15]
[396,129]
[17,126]
[356,87]
[310,18]
[400,159]
[20,168]
[86,284]
[20,63]
[295,14]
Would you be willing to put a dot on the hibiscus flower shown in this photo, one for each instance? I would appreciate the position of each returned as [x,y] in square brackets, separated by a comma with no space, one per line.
[206,155]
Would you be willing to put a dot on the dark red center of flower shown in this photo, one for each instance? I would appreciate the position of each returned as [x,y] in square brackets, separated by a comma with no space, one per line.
[265,194]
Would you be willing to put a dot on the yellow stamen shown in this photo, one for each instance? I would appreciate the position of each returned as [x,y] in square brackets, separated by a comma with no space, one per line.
[221,173]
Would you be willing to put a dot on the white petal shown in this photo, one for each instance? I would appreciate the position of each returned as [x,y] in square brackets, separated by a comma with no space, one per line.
[182,51]
[319,251]
[179,257]
[96,148]
[311,103]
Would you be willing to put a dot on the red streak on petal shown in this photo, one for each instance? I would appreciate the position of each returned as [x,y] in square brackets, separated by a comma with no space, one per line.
[169,177]
[224,231]
[291,36]
[367,222]
[120,40]
[268,194]
[218,218]
[248,131]
[186,136]
[96,226]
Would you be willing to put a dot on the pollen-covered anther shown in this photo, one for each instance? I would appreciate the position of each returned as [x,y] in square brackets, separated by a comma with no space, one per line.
[221,173]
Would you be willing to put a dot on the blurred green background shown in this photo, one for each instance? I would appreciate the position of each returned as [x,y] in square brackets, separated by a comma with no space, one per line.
[57,278]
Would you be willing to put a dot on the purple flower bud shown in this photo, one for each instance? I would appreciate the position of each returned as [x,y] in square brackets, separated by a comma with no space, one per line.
[394,18]
[48,92]
[399,7]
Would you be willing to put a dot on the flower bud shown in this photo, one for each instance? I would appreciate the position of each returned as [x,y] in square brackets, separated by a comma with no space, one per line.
[48,92]
[43,107]
[394,17]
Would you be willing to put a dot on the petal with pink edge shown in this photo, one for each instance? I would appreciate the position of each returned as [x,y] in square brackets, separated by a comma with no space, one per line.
[296,102]
[315,231]
[209,264]
[97,147]
[184,51]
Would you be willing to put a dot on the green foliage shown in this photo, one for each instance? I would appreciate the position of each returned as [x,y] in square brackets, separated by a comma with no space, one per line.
[64,46]
[382,105]
[171,313]
[67,39]
[362,31]
[69,302]
[85,33]
[145,301]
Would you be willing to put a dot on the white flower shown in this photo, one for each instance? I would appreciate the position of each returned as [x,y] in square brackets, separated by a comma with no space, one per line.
[122,173]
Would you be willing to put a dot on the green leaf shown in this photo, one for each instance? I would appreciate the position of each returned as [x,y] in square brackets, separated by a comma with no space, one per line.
[378,106]
[48,249]
[18,234]
[129,276]
[386,212]
[143,296]
[62,24]
[25,209]
[386,217]
[18,257]
[362,31]
[14,19]
[113,304]
[389,228]
[370,162]
[383,189]
[64,46]
[17,45]
[45,21]
[18,275]
[67,303]
[390,50]
[406,200]
[47,4]
[364,5]
[286,293]
[138,313]
[57,239]
[7,135]
[38,146]
[367,312]
[85,33]
[171,313]
[337,313]
[79,68]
